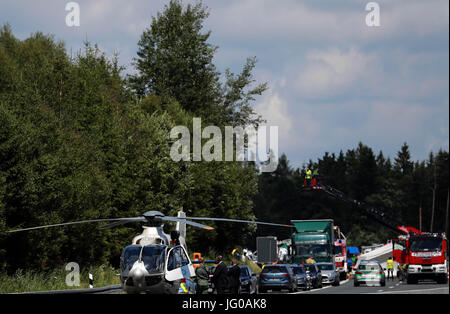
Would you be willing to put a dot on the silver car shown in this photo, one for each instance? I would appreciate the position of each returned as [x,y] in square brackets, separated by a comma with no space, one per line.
[330,275]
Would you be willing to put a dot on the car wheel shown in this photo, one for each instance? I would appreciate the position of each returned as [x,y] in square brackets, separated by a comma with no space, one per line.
[383,283]
[262,290]
[355,284]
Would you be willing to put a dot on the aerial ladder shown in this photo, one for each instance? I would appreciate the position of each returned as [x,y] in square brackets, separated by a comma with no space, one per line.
[377,214]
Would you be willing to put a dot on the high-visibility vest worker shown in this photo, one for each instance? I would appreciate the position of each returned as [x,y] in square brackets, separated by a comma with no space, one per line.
[308,174]
[390,264]
[316,173]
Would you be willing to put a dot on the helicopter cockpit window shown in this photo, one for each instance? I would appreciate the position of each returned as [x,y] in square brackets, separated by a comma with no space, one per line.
[154,257]
[177,258]
[130,255]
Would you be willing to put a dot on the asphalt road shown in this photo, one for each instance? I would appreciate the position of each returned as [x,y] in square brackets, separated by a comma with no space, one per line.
[392,287]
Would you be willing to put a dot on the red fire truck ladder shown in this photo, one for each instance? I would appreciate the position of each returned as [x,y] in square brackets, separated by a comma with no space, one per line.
[377,214]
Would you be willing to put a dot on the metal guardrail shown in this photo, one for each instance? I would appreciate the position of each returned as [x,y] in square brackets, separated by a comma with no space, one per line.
[101,290]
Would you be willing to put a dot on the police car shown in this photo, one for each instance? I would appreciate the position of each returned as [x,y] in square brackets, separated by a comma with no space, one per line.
[369,273]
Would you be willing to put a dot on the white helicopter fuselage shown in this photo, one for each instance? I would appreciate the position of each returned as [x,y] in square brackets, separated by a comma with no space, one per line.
[138,279]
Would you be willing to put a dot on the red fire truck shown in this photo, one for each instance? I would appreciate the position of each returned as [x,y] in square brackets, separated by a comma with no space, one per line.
[422,256]
[340,253]
[340,257]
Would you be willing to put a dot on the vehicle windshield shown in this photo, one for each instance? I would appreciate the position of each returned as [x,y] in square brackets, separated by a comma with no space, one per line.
[299,270]
[310,268]
[337,250]
[154,257]
[369,267]
[426,244]
[320,250]
[325,266]
[399,245]
[130,255]
[274,270]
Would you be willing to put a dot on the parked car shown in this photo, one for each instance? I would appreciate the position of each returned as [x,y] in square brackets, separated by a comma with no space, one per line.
[249,281]
[316,275]
[303,279]
[277,277]
[369,272]
[330,275]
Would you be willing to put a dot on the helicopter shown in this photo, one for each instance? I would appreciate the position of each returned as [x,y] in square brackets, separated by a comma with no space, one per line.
[155,262]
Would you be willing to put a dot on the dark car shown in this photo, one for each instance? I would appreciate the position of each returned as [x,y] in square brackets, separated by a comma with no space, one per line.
[249,281]
[303,279]
[277,277]
[316,275]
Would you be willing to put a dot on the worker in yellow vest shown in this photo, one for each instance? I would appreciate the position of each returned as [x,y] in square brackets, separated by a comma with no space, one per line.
[308,177]
[390,268]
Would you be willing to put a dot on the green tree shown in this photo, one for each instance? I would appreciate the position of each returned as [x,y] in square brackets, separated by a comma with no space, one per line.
[174,59]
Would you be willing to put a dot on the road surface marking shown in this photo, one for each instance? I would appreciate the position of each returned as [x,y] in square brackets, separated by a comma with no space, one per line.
[408,291]
[325,287]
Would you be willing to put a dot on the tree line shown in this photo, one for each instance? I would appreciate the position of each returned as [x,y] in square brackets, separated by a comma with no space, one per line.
[80,140]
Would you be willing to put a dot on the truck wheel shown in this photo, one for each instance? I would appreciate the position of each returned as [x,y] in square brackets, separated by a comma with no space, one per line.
[411,281]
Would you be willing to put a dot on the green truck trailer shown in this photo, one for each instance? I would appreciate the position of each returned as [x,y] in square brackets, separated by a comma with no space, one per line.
[313,238]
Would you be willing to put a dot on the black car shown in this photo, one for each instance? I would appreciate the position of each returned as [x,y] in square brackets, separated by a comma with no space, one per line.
[249,281]
[316,275]
[303,279]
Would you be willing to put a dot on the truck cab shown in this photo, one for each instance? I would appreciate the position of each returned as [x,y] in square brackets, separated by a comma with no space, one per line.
[427,258]
[313,238]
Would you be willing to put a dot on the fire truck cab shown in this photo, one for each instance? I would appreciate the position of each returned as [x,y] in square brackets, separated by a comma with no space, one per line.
[423,256]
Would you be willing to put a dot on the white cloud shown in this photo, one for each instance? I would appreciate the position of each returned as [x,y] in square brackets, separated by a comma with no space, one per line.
[330,21]
[335,72]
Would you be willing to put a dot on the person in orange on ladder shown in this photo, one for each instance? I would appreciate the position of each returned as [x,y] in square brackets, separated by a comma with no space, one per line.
[315,177]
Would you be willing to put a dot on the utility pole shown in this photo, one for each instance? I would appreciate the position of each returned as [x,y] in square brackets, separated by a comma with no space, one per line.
[446,214]
[434,196]
[420,216]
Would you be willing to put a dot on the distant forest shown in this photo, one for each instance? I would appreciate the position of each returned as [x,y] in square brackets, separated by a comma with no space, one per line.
[79,140]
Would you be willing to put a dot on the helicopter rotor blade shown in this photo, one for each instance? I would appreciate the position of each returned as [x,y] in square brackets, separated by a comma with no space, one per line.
[122,221]
[240,221]
[182,220]
[68,223]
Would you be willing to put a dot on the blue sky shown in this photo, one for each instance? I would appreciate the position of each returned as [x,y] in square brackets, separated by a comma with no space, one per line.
[333,80]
